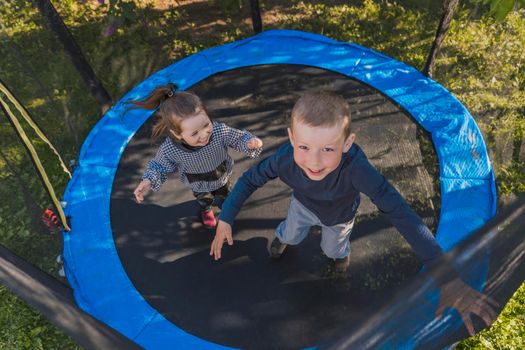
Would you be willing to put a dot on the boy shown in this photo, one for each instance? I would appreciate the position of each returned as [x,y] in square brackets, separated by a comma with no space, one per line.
[327,173]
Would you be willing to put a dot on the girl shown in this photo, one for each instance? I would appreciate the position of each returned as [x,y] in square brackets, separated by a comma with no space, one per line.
[195,146]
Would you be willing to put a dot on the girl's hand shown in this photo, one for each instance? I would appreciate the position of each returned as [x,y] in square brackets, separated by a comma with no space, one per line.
[143,188]
[223,233]
[254,143]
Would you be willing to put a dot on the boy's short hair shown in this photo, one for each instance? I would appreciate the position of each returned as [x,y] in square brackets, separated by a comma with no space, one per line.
[323,108]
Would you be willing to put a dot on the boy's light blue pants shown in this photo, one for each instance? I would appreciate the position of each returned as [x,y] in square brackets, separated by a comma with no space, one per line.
[334,239]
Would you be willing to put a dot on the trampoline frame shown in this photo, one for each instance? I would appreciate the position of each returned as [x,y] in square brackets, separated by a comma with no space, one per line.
[93,268]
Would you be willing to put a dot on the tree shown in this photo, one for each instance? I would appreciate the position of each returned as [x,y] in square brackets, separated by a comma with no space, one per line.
[498,8]
[450,7]
[256,16]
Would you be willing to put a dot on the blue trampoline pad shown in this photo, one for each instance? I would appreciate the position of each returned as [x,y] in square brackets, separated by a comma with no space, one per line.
[93,261]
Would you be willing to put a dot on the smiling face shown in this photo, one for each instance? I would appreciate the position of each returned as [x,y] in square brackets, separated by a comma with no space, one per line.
[195,130]
[317,150]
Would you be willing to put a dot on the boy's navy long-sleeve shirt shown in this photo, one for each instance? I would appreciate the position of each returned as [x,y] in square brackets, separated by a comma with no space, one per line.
[335,198]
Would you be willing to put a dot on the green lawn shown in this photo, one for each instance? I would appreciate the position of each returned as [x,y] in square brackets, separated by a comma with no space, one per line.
[481,63]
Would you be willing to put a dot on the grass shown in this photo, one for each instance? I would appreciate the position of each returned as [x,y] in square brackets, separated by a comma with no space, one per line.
[24,328]
[481,63]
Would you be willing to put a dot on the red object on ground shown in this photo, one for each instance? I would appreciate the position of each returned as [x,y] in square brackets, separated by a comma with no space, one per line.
[50,218]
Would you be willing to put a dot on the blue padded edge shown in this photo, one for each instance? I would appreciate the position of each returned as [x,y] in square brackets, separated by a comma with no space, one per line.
[101,286]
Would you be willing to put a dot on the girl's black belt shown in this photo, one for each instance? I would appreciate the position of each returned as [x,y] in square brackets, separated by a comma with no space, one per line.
[213,175]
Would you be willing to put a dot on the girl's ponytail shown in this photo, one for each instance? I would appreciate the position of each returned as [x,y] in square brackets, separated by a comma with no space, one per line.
[153,101]
[173,106]
[159,95]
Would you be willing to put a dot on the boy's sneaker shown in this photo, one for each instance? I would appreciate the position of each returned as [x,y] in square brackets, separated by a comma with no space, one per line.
[208,219]
[277,248]
[341,265]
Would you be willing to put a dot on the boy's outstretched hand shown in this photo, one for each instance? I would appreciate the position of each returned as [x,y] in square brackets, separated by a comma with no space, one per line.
[223,233]
[143,188]
[467,301]
[254,143]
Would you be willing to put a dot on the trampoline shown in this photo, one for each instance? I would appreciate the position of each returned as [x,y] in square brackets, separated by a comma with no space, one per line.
[145,270]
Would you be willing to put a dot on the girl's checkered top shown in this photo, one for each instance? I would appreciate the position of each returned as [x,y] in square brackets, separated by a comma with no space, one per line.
[172,157]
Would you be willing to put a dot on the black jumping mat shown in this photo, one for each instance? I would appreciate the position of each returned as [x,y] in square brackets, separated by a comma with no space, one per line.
[247,300]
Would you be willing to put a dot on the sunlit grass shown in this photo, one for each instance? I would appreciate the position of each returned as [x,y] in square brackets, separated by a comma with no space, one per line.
[482,63]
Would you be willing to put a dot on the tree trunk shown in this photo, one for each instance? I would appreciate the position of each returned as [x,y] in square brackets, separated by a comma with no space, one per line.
[256,16]
[449,7]
[57,25]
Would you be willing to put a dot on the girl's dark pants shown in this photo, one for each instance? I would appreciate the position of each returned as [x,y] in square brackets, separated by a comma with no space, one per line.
[205,199]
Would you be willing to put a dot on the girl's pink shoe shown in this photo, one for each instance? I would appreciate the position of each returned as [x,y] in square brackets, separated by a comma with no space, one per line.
[208,219]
